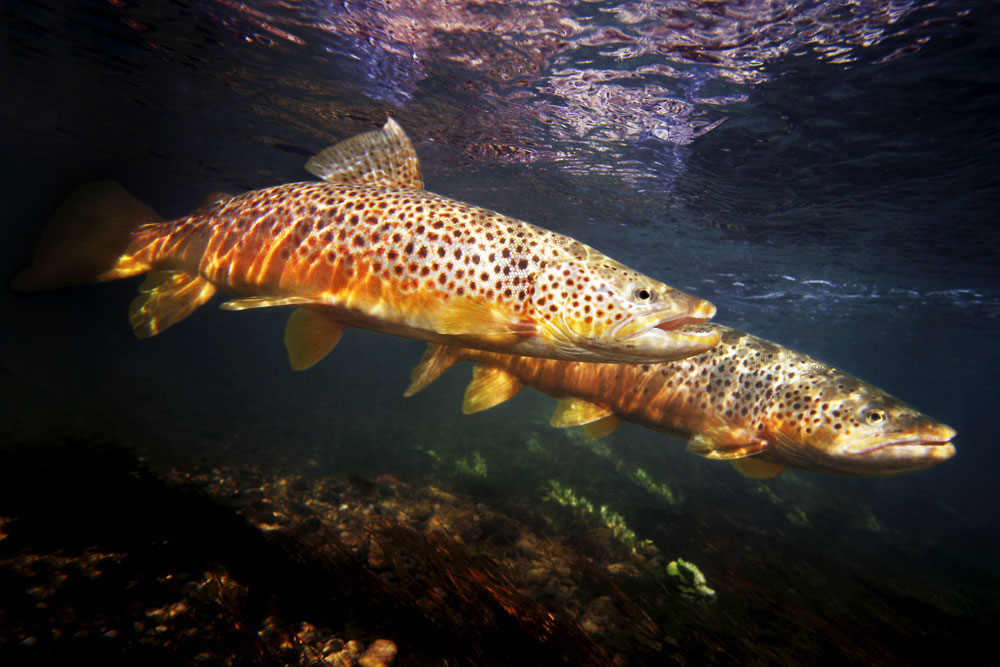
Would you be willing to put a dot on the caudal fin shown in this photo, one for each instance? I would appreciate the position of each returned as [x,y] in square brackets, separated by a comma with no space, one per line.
[85,239]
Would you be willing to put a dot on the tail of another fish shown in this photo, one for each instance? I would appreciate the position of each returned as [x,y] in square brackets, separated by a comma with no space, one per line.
[95,235]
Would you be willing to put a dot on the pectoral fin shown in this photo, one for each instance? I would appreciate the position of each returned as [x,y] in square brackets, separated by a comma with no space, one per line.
[757,469]
[575,412]
[309,336]
[726,444]
[463,316]
[489,387]
[266,302]
[165,298]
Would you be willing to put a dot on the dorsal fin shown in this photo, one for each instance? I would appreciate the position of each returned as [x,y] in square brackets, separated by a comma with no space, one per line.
[381,157]
[576,412]
[436,360]
[489,387]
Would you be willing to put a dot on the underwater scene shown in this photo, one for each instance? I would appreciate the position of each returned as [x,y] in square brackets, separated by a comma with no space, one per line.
[723,397]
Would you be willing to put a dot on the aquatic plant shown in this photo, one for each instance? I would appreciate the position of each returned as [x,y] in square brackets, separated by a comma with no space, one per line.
[477,466]
[689,578]
[638,476]
[797,517]
[642,478]
[613,521]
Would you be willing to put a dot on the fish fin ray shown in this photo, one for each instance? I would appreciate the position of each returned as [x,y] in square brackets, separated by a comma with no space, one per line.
[489,387]
[577,412]
[165,298]
[86,239]
[380,157]
[757,469]
[602,427]
[464,316]
[266,302]
[211,202]
[309,336]
[726,444]
[436,360]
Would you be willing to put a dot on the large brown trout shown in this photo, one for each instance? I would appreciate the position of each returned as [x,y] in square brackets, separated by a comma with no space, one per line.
[749,401]
[369,248]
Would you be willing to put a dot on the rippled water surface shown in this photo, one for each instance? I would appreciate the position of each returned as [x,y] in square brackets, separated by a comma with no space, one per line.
[825,172]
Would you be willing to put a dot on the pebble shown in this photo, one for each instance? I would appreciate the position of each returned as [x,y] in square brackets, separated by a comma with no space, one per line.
[381,653]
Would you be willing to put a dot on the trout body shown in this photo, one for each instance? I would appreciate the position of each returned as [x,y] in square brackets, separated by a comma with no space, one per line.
[748,400]
[369,248]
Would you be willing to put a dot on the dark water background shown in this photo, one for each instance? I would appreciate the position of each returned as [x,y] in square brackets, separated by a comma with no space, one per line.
[825,173]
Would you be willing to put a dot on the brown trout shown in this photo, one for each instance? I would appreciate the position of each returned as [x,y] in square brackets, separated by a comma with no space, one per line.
[752,402]
[369,248]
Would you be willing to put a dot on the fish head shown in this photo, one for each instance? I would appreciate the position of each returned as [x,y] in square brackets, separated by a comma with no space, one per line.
[853,428]
[597,309]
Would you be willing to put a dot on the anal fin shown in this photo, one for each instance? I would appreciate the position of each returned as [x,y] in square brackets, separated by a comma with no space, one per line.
[166,297]
[489,387]
[309,336]
[576,412]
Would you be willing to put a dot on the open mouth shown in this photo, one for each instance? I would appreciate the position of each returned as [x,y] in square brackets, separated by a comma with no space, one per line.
[635,327]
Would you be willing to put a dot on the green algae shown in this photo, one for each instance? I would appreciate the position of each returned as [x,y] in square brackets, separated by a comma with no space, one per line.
[689,578]
[475,467]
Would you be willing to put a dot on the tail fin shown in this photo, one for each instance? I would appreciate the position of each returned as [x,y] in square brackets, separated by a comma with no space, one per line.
[85,238]
[436,360]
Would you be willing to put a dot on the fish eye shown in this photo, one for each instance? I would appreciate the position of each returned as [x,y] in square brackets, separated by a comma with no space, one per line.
[875,417]
[643,294]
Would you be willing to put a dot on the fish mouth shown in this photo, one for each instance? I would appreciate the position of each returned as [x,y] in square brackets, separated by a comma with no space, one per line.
[931,447]
[666,321]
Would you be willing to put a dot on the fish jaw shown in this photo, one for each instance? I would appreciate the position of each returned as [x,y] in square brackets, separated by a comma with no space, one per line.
[669,344]
[656,335]
[661,339]
[690,310]
[929,446]
[662,335]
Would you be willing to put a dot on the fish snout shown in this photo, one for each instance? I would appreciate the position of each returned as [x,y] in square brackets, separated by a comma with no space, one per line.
[925,445]
[937,437]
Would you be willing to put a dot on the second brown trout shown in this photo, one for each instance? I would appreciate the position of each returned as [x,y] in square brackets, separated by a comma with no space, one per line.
[749,401]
